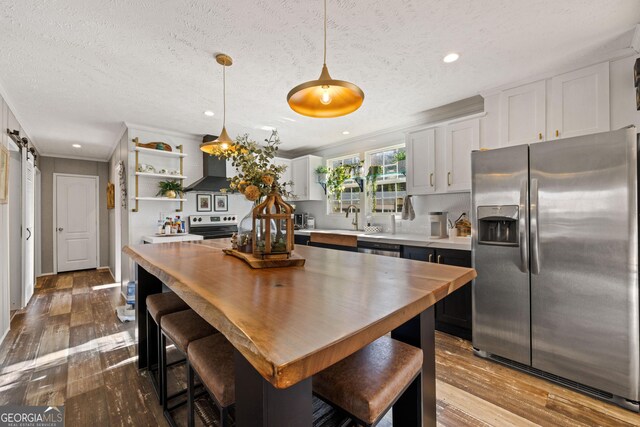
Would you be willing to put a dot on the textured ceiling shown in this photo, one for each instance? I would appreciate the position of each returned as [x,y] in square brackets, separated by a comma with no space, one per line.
[76,69]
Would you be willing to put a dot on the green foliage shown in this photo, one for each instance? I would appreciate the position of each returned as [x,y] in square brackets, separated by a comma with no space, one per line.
[399,156]
[254,163]
[166,186]
[372,184]
[338,175]
[321,169]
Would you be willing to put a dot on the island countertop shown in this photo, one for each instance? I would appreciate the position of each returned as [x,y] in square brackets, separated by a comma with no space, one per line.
[290,323]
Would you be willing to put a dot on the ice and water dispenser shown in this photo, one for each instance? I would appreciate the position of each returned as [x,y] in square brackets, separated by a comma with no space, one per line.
[498,225]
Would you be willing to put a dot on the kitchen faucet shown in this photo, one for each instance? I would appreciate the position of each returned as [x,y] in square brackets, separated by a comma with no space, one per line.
[355,219]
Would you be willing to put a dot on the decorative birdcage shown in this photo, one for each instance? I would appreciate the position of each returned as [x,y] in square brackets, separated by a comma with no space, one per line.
[273,228]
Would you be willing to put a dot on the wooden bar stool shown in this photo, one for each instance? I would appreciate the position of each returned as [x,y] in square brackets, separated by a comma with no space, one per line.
[183,328]
[367,383]
[211,358]
[159,305]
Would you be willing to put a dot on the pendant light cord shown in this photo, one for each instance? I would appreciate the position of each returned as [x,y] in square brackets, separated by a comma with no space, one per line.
[325,32]
[224,96]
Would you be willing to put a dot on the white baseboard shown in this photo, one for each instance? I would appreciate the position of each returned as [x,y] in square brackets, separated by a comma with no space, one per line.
[5,335]
[46,274]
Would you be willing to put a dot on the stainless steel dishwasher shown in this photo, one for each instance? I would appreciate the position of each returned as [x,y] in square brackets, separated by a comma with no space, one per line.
[385,249]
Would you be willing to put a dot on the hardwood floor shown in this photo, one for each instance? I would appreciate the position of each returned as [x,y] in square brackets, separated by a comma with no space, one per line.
[68,347]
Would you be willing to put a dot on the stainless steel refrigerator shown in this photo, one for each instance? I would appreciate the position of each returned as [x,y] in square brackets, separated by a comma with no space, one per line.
[555,245]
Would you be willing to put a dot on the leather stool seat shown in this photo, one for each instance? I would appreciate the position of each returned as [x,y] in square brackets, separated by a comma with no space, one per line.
[212,359]
[164,303]
[369,381]
[184,327]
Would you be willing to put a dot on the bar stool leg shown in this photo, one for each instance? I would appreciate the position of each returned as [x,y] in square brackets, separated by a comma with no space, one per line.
[163,370]
[223,416]
[190,396]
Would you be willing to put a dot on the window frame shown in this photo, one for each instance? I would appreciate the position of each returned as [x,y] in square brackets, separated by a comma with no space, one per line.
[329,164]
[367,164]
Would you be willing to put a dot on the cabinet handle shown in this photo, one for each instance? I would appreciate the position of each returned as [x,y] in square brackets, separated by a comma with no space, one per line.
[540,136]
[557,133]
[448,178]
[431,179]
[439,258]
[430,257]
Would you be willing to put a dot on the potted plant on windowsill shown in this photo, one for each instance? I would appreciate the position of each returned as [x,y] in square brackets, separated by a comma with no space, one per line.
[401,160]
[170,189]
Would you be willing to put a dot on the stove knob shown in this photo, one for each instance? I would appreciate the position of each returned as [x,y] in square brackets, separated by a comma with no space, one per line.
[225,218]
[199,219]
[234,218]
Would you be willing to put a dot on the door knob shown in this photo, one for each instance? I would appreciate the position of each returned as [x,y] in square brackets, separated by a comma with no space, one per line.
[60,228]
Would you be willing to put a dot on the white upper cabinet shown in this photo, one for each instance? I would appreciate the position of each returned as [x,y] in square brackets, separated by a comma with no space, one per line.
[523,114]
[461,139]
[580,102]
[279,161]
[305,186]
[421,162]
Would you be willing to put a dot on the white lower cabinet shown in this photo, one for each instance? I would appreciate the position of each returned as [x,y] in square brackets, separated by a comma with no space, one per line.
[461,139]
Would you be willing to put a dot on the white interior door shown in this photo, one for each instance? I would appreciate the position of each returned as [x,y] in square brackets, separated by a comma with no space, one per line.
[15,227]
[28,229]
[76,222]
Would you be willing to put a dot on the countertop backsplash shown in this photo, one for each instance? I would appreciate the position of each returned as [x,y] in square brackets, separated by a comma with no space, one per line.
[454,203]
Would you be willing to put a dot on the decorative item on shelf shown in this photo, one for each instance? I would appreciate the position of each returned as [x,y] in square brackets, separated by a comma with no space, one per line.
[221,203]
[372,184]
[325,97]
[273,228]
[463,225]
[170,189]
[321,176]
[111,195]
[203,202]
[222,143]
[401,160]
[4,175]
[145,168]
[161,146]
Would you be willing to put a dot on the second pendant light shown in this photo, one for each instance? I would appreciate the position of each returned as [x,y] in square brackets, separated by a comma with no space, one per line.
[223,142]
[325,97]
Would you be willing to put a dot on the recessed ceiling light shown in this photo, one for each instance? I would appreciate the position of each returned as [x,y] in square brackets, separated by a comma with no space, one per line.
[346,132]
[76,146]
[452,57]
[209,113]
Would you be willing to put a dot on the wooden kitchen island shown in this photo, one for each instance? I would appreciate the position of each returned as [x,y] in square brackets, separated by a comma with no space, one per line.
[290,323]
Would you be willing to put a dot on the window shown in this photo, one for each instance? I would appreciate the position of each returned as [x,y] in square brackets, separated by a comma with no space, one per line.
[351,195]
[386,182]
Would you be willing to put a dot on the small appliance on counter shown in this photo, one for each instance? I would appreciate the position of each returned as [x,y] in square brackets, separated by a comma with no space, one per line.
[311,223]
[438,221]
[300,220]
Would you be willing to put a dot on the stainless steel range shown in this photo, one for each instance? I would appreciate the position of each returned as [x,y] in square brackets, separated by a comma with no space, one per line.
[216,226]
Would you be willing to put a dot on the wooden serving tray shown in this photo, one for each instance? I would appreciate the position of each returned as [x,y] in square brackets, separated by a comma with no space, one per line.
[256,262]
[161,146]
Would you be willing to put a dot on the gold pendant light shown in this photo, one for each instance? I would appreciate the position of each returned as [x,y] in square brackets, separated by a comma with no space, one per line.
[223,142]
[325,97]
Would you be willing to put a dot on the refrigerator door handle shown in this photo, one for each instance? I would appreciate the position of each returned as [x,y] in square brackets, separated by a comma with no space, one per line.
[522,225]
[535,240]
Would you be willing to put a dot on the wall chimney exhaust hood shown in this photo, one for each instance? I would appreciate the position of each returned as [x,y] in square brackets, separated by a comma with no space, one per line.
[214,176]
